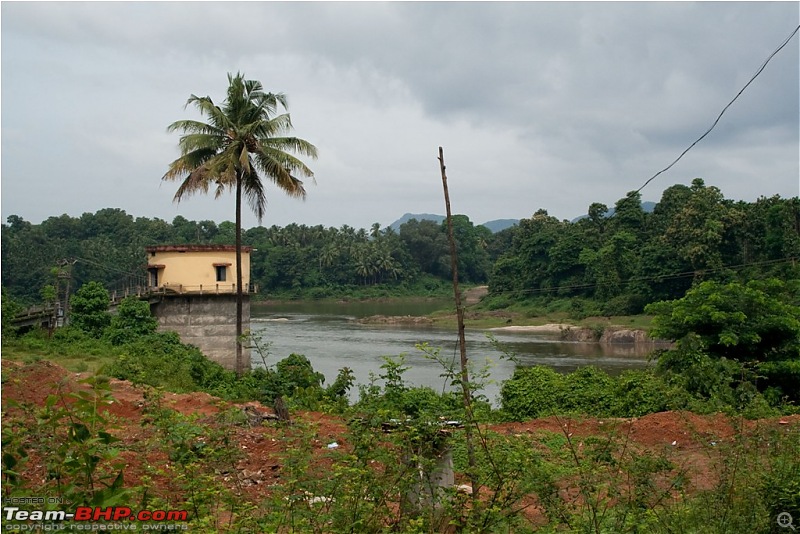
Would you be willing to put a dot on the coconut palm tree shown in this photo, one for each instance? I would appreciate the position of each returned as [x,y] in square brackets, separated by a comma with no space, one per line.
[243,140]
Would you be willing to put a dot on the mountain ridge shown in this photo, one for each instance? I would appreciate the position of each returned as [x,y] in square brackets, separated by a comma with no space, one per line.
[495,225]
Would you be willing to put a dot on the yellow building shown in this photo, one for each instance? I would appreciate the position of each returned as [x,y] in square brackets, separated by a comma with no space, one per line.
[196,268]
[193,292]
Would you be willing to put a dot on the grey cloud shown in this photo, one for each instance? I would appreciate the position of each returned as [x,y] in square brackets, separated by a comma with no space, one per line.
[551,105]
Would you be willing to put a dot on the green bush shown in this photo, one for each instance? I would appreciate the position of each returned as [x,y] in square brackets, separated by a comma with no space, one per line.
[89,309]
[532,392]
[783,378]
[540,391]
[10,308]
[638,393]
[631,304]
[161,360]
[132,320]
[587,390]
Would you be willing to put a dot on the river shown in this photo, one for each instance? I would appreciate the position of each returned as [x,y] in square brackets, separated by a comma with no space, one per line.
[331,338]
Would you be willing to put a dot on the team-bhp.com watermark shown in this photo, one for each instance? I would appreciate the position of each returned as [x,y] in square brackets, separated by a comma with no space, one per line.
[89,518]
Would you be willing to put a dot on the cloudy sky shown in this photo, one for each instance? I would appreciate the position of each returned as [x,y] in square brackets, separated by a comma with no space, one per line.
[537,105]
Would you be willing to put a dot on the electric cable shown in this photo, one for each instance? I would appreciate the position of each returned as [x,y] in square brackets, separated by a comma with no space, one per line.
[708,131]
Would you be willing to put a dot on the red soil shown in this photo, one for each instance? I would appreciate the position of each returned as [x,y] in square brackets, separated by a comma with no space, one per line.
[687,440]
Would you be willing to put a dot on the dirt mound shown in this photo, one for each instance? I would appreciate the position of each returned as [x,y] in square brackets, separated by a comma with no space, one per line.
[260,446]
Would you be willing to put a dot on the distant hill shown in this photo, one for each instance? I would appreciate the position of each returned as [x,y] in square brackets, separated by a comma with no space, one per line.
[499,225]
[647,207]
[495,226]
[418,216]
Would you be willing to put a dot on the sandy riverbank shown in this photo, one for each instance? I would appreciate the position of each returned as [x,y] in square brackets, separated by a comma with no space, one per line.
[551,328]
[568,332]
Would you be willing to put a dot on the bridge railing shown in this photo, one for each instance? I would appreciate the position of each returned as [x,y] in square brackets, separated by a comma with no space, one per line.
[180,289]
[143,292]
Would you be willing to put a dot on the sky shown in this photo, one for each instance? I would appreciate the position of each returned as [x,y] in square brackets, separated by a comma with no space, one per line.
[535,104]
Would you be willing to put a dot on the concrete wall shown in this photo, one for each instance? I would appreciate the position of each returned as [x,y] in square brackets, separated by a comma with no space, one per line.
[207,322]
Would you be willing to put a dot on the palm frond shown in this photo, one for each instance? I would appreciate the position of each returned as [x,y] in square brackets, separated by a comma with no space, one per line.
[280,171]
[254,192]
[193,126]
[289,144]
[191,142]
[188,162]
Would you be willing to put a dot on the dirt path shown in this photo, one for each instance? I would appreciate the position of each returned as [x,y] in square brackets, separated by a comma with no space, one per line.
[474,295]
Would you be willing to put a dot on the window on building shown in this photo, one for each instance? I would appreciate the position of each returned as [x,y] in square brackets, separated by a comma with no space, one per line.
[222,271]
[153,275]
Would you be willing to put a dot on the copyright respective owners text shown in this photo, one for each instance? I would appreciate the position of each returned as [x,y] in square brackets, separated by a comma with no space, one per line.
[48,514]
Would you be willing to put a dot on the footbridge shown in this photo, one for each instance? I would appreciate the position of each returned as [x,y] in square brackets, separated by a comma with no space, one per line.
[50,316]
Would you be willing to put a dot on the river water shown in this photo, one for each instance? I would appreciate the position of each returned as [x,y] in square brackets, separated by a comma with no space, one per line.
[329,335]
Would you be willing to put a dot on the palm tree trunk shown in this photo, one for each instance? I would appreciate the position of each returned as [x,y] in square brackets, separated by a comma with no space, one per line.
[239,293]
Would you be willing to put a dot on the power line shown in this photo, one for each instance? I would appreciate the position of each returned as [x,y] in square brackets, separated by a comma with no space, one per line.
[758,72]
[106,267]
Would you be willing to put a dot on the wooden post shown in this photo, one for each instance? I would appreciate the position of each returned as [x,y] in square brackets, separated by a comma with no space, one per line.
[462,341]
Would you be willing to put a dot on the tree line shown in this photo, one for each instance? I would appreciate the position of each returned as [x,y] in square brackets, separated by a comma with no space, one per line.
[612,264]
[295,260]
[622,262]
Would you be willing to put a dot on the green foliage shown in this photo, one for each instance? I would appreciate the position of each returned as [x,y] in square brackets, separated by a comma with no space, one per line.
[759,320]
[89,309]
[592,391]
[733,338]
[539,391]
[622,262]
[705,385]
[161,360]
[48,294]
[132,320]
[80,450]
[294,379]
[68,346]
[532,392]
[638,393]
[296,372]
[10,308]
[397,400]
[616,263]
[15,454]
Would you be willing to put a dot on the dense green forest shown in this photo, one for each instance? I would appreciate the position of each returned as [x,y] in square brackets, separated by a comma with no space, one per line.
[609,264]
[633,258]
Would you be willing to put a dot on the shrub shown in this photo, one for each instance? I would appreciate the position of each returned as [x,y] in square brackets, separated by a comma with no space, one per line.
[638,393]
[587,390]
[132,320]
[10,308]
[89,309]
[161,360]
[532,392]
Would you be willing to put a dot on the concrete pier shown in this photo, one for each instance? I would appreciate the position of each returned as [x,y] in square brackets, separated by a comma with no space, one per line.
[207,322]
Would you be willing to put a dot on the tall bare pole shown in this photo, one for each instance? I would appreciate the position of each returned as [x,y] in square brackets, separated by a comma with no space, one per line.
[462,341]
